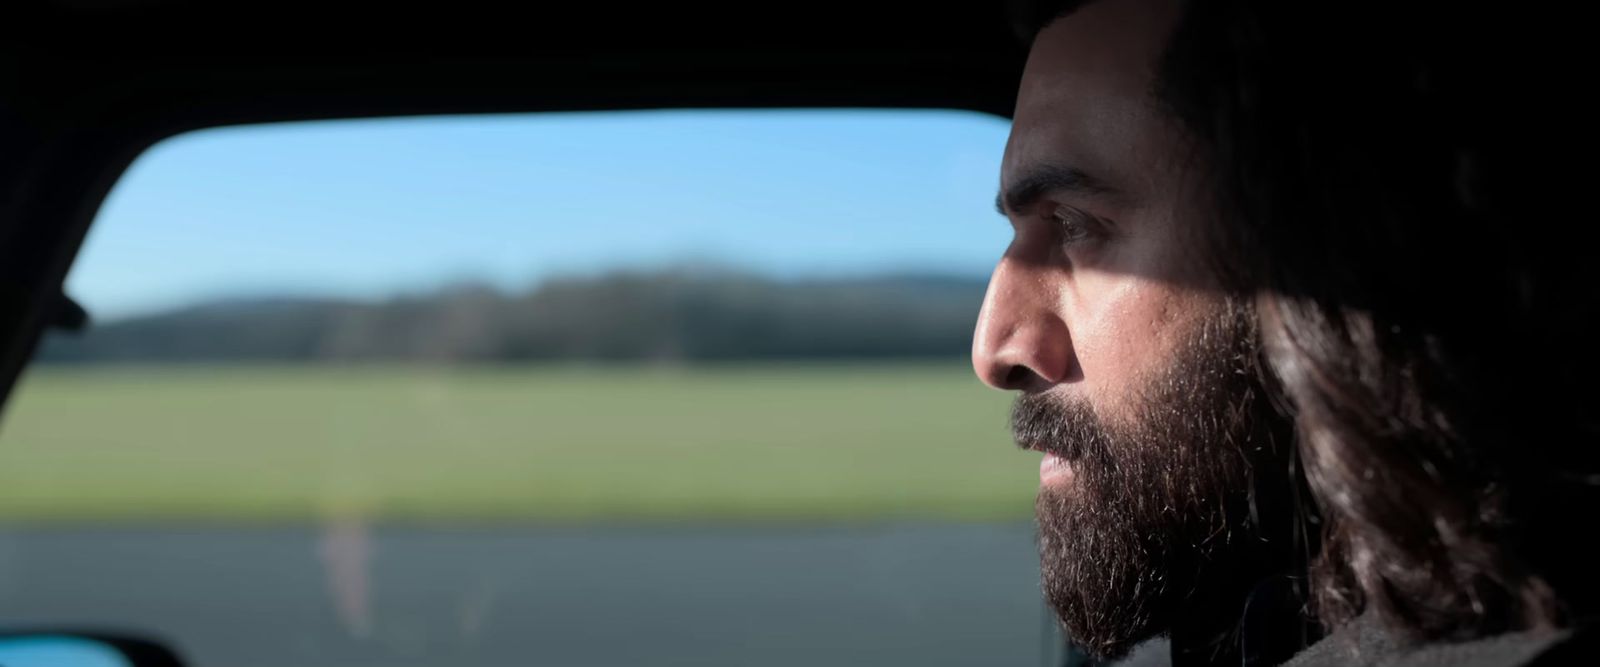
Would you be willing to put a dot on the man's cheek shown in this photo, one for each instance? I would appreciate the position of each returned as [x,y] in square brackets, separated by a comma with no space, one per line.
[1113,356]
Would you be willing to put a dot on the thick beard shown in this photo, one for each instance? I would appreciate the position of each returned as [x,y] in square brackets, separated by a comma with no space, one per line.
[1151,498]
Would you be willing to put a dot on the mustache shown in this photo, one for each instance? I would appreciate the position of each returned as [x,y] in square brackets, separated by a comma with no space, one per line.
[1062,428]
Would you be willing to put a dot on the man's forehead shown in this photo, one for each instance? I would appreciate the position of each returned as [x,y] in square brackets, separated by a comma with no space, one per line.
[1115,43]
[1088,82]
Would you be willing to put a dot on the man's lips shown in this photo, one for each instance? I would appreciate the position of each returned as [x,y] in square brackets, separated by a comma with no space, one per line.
[1055,466]
[1054,469]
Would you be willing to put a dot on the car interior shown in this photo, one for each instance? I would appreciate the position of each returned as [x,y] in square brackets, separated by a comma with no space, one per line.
[89,86]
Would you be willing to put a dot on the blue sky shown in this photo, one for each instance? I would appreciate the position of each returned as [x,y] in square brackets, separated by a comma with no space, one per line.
[371,208]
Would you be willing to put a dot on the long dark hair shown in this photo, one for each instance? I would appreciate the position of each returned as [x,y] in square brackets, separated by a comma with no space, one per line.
[1389,197]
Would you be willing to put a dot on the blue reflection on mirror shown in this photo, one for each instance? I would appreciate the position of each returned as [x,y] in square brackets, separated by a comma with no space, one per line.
[48,651]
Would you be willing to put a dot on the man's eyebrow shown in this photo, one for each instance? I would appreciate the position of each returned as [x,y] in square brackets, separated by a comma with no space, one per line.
[1036,182]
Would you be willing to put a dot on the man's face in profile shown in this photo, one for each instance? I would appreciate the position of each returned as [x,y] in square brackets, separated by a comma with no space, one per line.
[1134,369]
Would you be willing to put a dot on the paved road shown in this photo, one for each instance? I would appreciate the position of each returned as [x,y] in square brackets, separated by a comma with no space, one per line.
[347,595]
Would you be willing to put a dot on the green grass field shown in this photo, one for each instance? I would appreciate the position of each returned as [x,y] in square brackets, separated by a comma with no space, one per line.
[542,444]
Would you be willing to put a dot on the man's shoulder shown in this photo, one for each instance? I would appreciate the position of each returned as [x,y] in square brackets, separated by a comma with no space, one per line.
[1362,642]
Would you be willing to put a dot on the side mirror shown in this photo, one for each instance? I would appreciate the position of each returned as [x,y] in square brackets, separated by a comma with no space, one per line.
[71,649]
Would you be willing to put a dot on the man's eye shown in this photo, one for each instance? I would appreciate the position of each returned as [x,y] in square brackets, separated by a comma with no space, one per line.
[1074,226]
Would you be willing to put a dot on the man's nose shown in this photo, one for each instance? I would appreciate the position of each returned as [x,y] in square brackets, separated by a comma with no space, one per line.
[1021,342]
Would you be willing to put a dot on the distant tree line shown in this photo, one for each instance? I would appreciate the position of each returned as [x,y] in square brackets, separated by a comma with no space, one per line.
[669,315]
